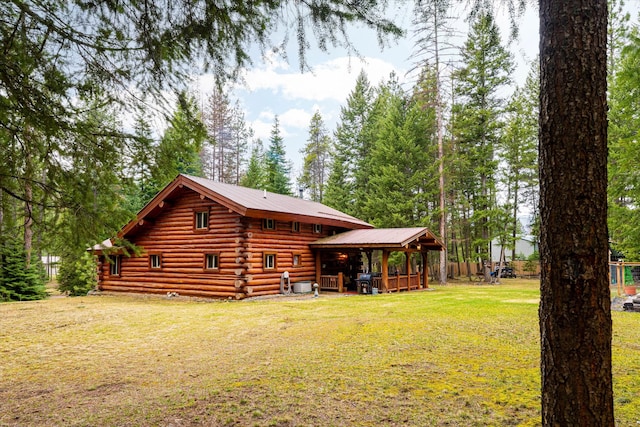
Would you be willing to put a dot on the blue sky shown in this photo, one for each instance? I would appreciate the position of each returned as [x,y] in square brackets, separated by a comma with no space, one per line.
[274,87]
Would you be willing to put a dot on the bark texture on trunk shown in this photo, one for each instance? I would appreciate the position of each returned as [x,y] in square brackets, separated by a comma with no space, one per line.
[575,316]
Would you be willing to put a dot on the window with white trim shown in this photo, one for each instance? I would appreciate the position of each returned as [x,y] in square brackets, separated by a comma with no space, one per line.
[269,261]
[114,265]
[211,261]
[317,228]
[201,220]
[155,261]
[297,260]
[268,224]
[295,227]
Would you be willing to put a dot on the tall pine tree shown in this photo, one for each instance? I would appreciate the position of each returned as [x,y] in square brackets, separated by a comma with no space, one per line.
[486,68]
[350,149]
[316,159]
[277,166]
[180,146]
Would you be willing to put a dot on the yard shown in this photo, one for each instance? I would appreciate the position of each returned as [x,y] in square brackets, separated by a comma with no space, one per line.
[459,355]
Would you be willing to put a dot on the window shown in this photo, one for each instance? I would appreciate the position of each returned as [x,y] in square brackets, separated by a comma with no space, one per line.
[201,221]
[114,266]
[155,261]
[269,261]
[268,224]
[297,260]
[317,228]
[211,261]
[295,226]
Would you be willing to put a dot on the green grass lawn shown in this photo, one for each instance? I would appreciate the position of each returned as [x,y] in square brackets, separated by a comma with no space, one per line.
[459,355]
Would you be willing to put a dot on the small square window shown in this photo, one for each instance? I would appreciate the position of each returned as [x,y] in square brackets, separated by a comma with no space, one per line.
[269,261]
[268,224]
[114,266]
[297,260]
[201,221]
[211,262]
[295,226]
[317,228]
[155,261]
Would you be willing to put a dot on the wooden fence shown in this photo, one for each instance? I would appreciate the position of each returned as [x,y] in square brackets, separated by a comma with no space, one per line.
[521,268]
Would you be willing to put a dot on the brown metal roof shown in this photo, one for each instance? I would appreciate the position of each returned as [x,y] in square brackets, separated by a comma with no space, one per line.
[260,202]
[251,203]
[382,238]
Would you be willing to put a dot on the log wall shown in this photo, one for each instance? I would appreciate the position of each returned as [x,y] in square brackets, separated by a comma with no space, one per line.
[285,243]
[240,243]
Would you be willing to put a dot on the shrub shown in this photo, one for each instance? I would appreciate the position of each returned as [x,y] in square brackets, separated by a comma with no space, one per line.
[77,274]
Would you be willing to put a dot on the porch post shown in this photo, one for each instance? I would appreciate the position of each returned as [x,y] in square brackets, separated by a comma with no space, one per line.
[425,270]
[385,270]
[318,267]
[408,259]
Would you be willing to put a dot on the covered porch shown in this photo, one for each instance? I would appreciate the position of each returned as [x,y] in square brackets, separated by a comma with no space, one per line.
[340,266]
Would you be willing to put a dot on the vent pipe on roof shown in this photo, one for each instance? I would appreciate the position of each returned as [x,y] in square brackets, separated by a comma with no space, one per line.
[265,194]
[301,190]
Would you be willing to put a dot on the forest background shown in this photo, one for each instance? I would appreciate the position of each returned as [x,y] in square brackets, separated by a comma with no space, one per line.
[451,152]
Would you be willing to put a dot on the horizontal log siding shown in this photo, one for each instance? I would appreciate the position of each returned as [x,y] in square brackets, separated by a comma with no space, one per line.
[182,249]
[240,243]
[285,243]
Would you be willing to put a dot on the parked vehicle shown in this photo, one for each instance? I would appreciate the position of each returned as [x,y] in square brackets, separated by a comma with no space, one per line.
[506,272]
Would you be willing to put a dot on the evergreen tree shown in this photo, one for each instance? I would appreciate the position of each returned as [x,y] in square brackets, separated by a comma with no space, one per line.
[277,167]
[241,133]
[350,149]
[519,154]
[403,191]
[575,303]
[487,66]
[91,170]
[255,177]
[217,119]
[139,165]
[432,21]
[624,153]
[20,280]
[371,129]
[180,146]
[316,159]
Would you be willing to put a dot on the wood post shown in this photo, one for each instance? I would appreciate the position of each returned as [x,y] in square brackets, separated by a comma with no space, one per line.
[318,266]
[340,282]
[385,270]
[408,259]
[425,270]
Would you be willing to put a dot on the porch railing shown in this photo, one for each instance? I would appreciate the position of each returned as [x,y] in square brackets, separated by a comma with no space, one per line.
[396,283]
[332,283]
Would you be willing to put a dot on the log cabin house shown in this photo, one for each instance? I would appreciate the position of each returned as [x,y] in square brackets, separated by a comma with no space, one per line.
[204,238]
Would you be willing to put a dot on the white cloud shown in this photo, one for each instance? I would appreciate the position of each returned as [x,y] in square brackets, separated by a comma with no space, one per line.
[331,80]
[262,129]
[295,117]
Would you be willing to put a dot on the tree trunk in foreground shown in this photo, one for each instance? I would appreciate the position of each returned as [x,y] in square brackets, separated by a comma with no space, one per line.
[575,309]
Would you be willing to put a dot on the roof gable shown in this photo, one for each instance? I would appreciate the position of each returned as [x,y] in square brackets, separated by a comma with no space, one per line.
[250,203]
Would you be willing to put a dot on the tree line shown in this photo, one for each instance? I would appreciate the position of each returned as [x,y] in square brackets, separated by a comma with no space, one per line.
[452,153]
